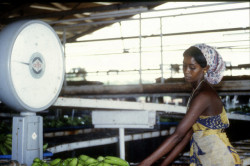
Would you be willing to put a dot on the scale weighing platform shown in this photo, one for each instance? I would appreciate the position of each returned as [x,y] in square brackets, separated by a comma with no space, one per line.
[31,74]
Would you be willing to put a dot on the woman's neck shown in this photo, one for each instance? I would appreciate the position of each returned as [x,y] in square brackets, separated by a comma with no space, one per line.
[196,83]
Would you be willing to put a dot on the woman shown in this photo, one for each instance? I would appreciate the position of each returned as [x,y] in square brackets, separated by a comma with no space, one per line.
[204,123]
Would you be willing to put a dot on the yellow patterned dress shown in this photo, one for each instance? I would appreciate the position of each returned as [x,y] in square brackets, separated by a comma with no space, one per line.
[210,145]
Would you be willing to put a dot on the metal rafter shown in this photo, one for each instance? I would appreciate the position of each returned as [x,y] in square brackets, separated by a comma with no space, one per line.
[82,10]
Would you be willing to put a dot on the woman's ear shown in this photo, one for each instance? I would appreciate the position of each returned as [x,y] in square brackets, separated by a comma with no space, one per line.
[206,69]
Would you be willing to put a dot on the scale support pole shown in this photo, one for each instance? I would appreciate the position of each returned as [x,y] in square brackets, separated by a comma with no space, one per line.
[122,143]
[27,138]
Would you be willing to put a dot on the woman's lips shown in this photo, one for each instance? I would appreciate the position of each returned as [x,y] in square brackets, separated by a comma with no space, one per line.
[187,78]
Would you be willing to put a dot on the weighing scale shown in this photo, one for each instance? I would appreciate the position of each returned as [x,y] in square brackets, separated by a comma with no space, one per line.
[31,78]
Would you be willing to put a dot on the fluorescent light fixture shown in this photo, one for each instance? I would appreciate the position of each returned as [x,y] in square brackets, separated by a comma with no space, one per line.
[104,3]
[44,8]
[240,33]
[132,11]
[60,6]
[86,13]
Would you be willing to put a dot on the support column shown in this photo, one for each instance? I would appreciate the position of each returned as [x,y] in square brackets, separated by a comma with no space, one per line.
[122,143]
[140,52]
[161,66]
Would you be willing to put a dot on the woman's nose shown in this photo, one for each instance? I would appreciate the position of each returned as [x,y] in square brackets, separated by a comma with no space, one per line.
[185,70]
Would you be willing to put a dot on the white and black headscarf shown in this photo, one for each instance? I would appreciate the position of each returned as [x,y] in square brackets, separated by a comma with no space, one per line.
[215,62]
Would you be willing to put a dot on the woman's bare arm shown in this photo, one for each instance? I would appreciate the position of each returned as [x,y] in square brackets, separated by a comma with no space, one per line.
[197,106]
[178,149]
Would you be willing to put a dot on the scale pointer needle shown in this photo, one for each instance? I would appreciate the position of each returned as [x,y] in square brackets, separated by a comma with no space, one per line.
[25,63]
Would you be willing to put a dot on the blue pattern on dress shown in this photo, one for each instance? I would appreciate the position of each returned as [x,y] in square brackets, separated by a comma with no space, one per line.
[194,158]
[213,122]
[231,149]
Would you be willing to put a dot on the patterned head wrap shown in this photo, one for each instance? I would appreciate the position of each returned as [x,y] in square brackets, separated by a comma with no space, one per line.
[215,62]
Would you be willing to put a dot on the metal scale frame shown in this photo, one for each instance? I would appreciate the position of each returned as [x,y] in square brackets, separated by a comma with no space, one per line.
[31,74]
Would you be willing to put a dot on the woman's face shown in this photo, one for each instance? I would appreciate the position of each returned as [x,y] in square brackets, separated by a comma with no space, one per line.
[192,71]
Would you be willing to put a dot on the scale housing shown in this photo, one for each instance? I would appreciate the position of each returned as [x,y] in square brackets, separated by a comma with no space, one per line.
[32,74]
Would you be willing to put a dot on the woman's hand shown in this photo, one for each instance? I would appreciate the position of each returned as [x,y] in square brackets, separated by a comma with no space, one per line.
[145,163]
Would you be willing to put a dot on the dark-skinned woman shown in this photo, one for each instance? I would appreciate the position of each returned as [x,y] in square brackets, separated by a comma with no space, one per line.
[205,120]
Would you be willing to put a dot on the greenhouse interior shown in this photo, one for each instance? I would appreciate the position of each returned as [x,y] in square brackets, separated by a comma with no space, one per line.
[110,83]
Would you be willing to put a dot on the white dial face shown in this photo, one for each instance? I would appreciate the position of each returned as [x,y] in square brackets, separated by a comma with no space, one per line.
[36,65]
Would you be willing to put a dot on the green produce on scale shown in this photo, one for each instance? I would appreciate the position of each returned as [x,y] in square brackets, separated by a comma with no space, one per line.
[83,157]
[65,162]
[83,160]
[45,146]
[38,162]
[55,162]
[91,161]
[115,161]
[5,144]
[103,164]
[73,162]
[100,158]
[3,150]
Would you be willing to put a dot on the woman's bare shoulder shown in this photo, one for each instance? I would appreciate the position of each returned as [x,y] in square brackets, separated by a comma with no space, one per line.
[211,101]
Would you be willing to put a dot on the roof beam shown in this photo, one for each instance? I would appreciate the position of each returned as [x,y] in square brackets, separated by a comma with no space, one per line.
[5,12]
[79,11]
[170,34]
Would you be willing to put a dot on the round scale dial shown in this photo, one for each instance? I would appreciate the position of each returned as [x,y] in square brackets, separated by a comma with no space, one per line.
[34,66]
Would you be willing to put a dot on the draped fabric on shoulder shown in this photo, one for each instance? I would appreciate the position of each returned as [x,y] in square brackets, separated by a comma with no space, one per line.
[209,145]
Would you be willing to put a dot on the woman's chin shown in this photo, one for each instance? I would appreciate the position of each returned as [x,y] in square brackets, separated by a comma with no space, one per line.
[187,79]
